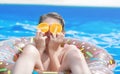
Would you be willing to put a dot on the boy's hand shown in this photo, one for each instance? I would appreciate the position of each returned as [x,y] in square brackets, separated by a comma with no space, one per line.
[40,41]
[55,41]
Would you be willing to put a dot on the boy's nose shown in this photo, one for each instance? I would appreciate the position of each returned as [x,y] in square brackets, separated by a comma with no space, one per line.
[48,33]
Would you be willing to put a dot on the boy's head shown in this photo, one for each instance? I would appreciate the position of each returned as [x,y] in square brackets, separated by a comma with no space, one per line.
[51,18]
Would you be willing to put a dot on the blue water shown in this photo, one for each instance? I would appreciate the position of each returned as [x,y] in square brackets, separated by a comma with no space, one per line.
[98,25]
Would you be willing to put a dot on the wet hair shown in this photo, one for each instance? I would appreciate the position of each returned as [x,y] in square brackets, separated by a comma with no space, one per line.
[52,15]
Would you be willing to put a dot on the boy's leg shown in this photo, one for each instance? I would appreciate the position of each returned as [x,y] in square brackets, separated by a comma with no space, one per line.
[74,61]
[28,59]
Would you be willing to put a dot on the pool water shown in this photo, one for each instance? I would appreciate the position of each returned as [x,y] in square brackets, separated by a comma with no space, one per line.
[97,25]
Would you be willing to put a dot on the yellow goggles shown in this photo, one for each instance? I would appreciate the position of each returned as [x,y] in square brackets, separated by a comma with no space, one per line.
[53,28]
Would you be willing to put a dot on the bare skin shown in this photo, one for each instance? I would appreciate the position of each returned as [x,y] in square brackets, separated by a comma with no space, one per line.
[48,55]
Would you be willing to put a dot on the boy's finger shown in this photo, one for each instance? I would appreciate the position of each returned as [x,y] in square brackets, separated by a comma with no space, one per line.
[60,35]
[40,34]
[45,37]
[51,37]
[37,33]
[54,35]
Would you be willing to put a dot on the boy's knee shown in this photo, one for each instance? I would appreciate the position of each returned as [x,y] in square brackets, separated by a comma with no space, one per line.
[30,50]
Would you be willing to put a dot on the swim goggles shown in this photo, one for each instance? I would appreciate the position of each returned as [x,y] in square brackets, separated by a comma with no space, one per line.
[53,28]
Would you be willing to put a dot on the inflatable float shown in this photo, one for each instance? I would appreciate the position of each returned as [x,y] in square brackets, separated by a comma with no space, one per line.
[99,60]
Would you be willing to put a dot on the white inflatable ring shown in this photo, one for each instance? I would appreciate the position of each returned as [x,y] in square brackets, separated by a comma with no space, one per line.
[99,60]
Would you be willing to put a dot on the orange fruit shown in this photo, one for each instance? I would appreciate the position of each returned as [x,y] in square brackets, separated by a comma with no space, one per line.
[44,27]
[56,28]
